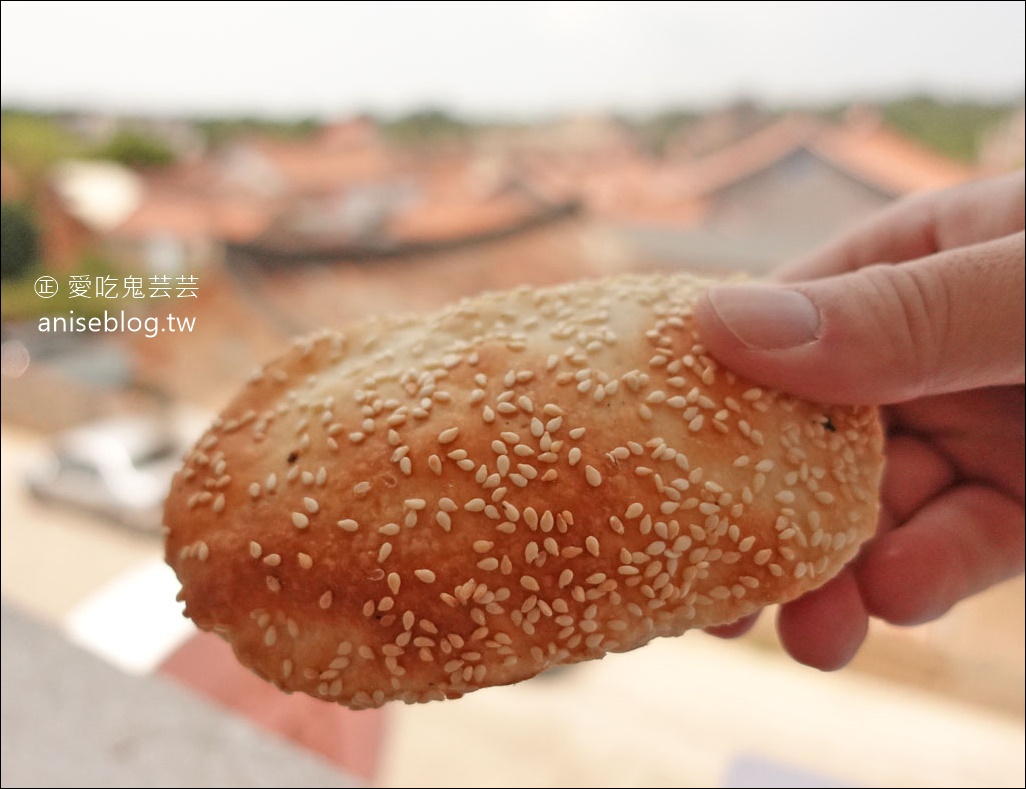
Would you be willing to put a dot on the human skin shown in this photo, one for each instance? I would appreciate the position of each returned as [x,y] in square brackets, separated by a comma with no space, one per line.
[920,311]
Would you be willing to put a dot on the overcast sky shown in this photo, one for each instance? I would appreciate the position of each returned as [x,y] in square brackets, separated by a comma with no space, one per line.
[499,58]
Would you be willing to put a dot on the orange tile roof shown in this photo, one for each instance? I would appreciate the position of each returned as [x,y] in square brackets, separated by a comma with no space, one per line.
[865,149]
[309,297]
[701,177]
[881,156]
[338,155]
[433,221]
[195,214]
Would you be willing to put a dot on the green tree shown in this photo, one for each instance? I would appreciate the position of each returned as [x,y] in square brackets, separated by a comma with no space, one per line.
[952,128]
[32,144]
[425,127]
[218,131]
[19,241]
[134,149]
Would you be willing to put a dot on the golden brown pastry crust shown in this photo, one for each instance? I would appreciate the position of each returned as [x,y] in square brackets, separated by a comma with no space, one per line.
[423,507]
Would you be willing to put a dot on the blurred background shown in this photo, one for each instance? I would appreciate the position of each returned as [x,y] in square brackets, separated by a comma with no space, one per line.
[187,186]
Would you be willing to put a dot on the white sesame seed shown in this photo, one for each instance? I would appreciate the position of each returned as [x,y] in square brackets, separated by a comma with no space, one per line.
[299,520]
[427,576]
[527,470]
[348,524]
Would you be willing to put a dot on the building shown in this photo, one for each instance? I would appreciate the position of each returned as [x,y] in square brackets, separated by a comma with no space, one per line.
[778,192]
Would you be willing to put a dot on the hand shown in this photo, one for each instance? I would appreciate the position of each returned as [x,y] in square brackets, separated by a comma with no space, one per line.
[920,311]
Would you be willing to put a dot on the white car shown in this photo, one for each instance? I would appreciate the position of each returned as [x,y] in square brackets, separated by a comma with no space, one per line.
[119,469]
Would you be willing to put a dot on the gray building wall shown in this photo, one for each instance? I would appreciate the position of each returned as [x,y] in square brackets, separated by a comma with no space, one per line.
[767,218]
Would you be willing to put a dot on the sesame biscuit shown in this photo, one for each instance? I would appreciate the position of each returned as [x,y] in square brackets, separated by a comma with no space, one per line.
[420,507]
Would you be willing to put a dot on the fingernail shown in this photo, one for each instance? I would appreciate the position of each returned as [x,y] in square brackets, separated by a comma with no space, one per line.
[766,318]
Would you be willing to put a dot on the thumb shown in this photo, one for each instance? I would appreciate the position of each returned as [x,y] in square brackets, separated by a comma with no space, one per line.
[880,334]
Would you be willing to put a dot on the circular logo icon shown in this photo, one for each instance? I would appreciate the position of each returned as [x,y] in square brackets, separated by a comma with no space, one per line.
[46,287]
